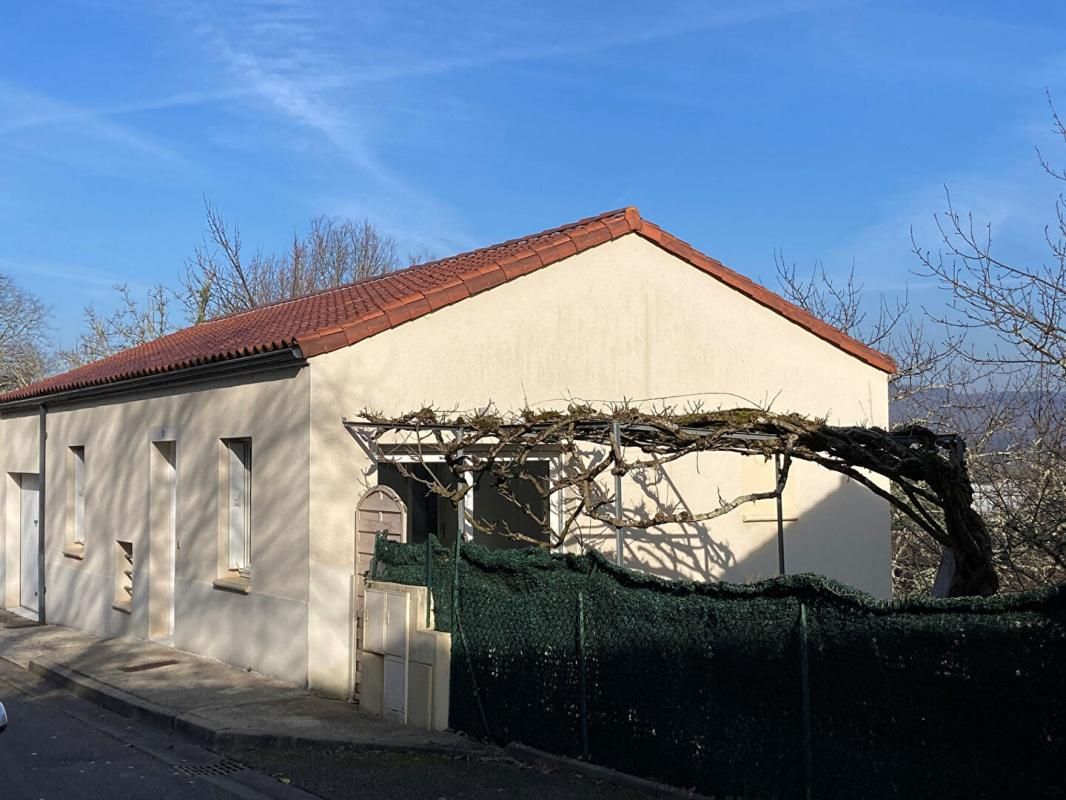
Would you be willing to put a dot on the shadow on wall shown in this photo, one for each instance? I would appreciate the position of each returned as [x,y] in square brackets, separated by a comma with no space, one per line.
[264,629]
[845,535]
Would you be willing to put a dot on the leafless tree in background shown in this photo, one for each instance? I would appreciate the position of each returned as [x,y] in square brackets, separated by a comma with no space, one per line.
[222,278]
[23,335]
[1013,316]
[923,360]
[134,322]
[990,365]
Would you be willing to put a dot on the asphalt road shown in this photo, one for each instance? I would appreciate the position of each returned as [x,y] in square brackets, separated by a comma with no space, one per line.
[59,746]
[347,775]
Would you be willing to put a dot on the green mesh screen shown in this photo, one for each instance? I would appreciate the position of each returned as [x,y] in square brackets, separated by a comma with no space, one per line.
[711,686]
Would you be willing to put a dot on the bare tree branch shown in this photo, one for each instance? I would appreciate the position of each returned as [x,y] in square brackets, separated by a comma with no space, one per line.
[221,279]
[132,323]
[929,471]
[23,335]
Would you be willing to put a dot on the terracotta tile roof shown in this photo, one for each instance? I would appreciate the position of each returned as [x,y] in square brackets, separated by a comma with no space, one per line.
[335,318]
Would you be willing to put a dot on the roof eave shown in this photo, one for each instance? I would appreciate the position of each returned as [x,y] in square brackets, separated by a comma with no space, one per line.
[760,294]
[287,357]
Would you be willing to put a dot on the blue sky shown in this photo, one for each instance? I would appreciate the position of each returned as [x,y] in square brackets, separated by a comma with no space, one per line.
[826,129]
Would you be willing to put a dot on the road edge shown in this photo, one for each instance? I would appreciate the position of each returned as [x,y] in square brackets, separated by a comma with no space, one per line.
[541,758]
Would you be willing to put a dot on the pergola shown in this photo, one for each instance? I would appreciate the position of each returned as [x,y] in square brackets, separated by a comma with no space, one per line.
[930,483]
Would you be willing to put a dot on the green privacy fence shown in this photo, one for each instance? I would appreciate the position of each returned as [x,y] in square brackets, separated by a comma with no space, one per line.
[788,688]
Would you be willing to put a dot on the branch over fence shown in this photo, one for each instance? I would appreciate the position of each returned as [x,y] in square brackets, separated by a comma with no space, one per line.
[928,472]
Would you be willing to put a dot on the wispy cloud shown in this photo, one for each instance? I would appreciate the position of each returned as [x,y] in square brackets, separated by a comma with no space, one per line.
[276,58]
[80,276]
[511,34]
[83,285]
[1011,201]
[310,66]
[279,53]
[22,109]
[40,111]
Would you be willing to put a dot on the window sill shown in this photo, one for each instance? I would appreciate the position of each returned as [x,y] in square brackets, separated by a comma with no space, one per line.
[233,584]
[74,551]
[125,608]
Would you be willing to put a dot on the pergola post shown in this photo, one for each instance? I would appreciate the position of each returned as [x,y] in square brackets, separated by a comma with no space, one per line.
[619,533]
[780,516]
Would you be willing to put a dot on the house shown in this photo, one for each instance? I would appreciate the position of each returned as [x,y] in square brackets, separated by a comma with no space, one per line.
[201,490]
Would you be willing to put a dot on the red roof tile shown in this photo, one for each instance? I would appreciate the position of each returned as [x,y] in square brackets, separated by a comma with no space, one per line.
[339,317]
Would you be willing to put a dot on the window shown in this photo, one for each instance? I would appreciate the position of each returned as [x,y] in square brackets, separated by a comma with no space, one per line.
[239,505]
[517,507]
[77,534]
[492,509]
[427,512]
[74,540]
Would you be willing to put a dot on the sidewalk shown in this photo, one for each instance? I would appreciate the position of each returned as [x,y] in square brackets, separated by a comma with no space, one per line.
[212,703]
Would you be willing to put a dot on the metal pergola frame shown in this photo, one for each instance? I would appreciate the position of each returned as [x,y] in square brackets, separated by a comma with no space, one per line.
[606,432]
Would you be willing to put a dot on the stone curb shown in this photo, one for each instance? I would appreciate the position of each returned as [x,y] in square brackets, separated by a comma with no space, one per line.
[540,758]
[205,734]
[116,700]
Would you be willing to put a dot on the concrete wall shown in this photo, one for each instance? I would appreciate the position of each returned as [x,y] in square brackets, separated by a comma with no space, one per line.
[266,628]
[625,319]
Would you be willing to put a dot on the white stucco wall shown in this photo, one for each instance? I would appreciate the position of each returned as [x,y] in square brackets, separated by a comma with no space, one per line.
[623,320]
[18,449]
[265,629]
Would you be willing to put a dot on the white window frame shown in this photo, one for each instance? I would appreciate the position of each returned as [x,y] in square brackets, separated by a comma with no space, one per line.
[238,494]
[77,528]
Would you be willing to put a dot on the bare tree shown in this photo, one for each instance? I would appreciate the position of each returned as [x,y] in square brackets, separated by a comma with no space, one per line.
[1006,417]
[1012,317]
[23,335]
[989,364]
[1023,306]
[134,322]
[222,278]
[923,360]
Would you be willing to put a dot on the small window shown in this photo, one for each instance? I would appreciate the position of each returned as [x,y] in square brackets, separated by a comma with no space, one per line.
[239,505]
[77,534]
